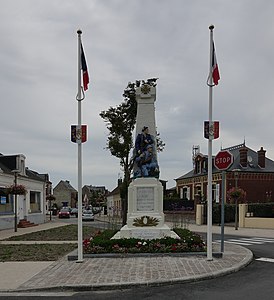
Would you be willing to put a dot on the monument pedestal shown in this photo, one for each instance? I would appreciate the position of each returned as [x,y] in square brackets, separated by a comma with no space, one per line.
[145,218]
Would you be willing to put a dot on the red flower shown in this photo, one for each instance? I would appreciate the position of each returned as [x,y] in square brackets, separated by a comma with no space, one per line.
[86,243]
[173,247]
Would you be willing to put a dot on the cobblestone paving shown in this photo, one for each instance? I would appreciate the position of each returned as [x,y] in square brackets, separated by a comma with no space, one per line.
[110,272]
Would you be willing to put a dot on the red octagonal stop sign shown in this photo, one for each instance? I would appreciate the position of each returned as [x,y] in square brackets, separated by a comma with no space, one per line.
[223,160]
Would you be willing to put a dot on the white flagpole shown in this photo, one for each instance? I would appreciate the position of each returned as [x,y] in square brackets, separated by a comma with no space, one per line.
[79,142]
[210,139]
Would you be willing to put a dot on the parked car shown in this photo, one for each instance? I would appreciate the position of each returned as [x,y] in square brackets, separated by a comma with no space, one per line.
[74,212]
[88,215]
[64,213]
[97,210]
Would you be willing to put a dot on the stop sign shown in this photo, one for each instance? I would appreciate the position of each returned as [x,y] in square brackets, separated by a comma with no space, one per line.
[223,160]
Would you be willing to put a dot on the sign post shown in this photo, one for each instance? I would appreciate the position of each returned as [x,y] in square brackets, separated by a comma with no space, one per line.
[222,161]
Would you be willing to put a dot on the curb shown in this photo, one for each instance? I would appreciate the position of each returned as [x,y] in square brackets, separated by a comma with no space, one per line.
[73,256]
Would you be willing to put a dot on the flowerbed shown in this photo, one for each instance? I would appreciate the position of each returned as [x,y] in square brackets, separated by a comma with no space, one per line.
[101,242]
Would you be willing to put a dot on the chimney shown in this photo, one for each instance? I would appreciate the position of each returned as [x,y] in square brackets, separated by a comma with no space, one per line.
[261,157]
[243,157]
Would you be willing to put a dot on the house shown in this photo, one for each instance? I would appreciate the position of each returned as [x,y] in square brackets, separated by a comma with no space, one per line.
[251,170]
[65,194]
[114,203]
[30,206]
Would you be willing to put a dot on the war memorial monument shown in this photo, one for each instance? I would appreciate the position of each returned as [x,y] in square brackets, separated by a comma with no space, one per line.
[145,217]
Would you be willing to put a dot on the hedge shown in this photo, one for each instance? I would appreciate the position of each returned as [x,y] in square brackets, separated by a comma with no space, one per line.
[178,204]
[229,213]
[262,210]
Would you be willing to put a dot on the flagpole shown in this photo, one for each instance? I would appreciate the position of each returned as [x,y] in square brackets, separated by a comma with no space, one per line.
[210,139]
[79,142]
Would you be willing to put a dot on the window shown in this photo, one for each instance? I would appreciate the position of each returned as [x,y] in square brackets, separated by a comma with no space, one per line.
[198,190]
[35,201]
[185,193]
[6,202]
[216,193]
[198,167]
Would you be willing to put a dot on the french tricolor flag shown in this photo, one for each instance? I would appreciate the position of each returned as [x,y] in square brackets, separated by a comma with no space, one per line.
[214,69]
[84,69]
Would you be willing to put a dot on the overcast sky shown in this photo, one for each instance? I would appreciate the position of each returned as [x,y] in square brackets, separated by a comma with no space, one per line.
[124,41]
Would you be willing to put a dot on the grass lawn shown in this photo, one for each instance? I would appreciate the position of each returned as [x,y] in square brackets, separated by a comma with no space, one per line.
[63,233]
[35,252]
[44,252]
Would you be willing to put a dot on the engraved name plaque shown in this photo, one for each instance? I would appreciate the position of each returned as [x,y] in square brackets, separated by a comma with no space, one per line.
[146,234]
[145,199]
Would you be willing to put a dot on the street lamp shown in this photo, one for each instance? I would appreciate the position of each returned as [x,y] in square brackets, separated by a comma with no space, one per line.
[50,198]
[236,174]
[15,199]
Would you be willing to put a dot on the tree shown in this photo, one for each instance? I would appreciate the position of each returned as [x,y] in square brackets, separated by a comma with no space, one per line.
[120,122]
[97,198]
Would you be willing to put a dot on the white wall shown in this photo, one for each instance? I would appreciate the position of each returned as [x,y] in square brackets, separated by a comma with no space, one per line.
[7,220]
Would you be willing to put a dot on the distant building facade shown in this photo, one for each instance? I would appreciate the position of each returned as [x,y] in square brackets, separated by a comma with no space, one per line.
[114,203]
[251,170]
[65,194]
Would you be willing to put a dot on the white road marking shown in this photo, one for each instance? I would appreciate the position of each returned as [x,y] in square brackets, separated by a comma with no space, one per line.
[237,242]
[248,241]
[266,240]
[266,259]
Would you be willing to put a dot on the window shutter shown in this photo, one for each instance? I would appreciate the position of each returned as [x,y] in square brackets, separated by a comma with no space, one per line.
[188,193]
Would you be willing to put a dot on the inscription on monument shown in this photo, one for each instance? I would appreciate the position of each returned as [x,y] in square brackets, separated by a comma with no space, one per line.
[146,234]
[145,199]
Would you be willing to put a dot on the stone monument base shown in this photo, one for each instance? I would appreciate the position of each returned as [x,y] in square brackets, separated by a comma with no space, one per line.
[145,233]
[145,218]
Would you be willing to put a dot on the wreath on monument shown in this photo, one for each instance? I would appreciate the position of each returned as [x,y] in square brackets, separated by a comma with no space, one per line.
[145,221]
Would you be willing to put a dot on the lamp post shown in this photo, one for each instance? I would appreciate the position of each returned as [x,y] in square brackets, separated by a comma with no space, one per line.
[50,198]
[50,209]
[236,175]
[15,200]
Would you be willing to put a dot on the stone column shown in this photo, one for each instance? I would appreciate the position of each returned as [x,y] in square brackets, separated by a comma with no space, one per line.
[243,208]
[146,97]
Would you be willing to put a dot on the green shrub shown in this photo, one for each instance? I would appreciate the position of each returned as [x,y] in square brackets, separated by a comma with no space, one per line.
[176,204]
[229,213]
[262,210]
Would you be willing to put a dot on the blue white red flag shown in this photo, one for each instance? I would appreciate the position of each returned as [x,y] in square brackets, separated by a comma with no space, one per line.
[214,69]
[84,69]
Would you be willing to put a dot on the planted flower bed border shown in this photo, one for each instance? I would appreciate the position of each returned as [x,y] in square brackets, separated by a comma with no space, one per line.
[101,243]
